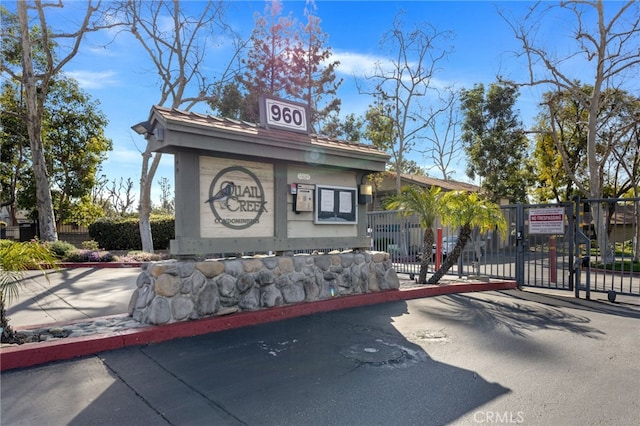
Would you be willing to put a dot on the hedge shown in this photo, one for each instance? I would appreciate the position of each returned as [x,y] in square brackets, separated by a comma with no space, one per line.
[124,234]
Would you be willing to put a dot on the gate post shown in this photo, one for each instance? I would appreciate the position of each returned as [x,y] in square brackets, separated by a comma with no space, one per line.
[573,219]
[519,245]
[552,259]
[438,253]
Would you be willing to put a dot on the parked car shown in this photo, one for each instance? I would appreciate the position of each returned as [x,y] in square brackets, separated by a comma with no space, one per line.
[448,244]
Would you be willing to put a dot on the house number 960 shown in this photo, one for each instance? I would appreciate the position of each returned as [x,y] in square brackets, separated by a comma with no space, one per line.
[286,115]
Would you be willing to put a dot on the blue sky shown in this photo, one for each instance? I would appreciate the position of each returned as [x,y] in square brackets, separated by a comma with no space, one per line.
[121,77]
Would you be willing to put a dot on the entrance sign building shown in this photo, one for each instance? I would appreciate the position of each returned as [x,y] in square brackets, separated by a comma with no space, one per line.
[243,187]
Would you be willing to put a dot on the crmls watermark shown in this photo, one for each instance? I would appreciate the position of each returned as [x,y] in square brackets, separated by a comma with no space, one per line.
[499,417]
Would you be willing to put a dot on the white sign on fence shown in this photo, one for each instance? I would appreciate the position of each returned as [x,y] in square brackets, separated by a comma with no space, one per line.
[546,221]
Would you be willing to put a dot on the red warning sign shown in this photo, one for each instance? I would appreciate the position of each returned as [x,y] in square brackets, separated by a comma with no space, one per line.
[546,221]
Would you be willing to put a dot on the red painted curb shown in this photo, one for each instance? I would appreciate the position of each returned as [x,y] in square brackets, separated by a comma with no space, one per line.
[31,354]
[99,264]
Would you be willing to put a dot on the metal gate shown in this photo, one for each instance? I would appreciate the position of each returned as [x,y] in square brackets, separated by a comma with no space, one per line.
[535,259]
[568,260]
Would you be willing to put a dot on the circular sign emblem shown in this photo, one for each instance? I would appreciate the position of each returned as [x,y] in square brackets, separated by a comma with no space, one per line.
[236,198]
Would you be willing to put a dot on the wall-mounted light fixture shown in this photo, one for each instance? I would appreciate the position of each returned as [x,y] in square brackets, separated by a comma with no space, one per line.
[142,128]
[145,129]
[365,193]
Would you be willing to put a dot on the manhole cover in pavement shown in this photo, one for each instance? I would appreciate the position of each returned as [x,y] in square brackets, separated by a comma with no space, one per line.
[373,353]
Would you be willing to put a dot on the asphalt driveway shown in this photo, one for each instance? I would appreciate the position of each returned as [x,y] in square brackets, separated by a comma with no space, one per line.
[496,357]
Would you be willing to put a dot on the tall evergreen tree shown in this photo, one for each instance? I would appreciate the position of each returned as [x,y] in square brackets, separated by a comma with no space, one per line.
[269,61]
[286,59]
[495,142]
[317,80]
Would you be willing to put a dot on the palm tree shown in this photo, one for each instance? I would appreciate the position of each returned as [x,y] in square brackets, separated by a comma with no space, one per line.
[414,200]
[15,259]
[466,211]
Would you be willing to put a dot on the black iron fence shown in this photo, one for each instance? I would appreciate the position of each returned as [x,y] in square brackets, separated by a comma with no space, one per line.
[563,253]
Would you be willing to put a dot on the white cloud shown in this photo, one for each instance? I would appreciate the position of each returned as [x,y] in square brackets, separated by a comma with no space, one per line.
[89,80]
[356,64]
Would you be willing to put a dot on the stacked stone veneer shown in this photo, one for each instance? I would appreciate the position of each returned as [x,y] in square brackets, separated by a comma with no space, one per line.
[172,291]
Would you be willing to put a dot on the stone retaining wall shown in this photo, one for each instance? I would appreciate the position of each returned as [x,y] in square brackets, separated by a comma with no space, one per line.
[172,291]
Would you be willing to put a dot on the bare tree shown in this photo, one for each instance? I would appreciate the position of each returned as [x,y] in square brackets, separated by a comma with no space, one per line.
[121,195]
[401,86]
[608,45]
[442,134]
[177,52]
[44,52]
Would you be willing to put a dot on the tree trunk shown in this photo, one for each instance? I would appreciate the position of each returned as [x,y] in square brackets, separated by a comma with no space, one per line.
[636,237]
[600,223]
[595,171]
[452,258]
[144,214]
[44,201]
[427,251]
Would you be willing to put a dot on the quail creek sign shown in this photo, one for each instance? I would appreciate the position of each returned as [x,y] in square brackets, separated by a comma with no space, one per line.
[233,192]
[238,199]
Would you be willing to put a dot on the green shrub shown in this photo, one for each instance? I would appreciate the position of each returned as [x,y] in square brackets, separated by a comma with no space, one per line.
[124,234]
[60,248]
[91,245]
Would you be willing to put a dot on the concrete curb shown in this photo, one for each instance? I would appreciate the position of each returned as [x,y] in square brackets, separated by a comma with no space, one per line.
[31,354]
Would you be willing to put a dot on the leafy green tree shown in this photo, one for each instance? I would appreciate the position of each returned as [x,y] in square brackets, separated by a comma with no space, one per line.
[561,144]
[380,128]
[74,143]
[75,146]
[350,128]
[605,46]
[14,147]
[231,103]
[424,203]
[494,141]
[466,211]
[34,57]
[15,259]
[553,156]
